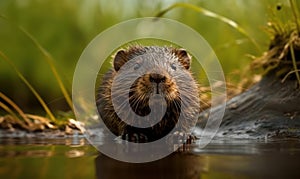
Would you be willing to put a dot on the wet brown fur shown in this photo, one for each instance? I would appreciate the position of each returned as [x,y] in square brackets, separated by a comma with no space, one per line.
[141,91]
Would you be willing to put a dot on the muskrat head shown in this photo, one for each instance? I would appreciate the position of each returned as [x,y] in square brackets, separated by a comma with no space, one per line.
[156,71]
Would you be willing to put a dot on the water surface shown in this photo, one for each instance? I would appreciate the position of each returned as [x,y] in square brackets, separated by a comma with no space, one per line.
[75,158]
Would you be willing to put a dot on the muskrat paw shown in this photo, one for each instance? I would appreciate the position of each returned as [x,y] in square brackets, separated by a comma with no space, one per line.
[135,137]
[179,137]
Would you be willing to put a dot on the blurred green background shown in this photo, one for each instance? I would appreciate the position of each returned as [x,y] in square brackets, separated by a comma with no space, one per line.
[65,27]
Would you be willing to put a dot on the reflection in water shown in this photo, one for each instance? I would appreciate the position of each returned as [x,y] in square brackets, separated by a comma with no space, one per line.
[27,153]
[235,159]
[203,166]
[74,153]
[176,165]
[46,158]
[61,158]
[72,141]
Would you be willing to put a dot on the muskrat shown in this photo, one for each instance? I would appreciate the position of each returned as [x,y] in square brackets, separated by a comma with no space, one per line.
[167,74]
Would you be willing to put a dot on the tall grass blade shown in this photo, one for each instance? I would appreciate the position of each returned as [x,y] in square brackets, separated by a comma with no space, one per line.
[16,107]
[210,14]
[36,94]
[13,116]
[295,12]
[9,111]
[294,63]
[49,60]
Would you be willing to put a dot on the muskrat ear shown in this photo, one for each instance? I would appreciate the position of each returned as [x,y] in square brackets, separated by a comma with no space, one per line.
[184,58]
[120,59]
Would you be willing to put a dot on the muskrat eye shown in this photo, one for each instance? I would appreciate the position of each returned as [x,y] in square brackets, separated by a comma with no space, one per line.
[136,66]
[173,66]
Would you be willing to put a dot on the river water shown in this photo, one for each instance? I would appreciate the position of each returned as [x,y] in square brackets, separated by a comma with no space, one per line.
[76,158]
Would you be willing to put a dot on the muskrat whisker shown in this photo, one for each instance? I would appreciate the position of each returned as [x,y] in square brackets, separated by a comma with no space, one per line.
[177,104]
[202,101]
[135,103]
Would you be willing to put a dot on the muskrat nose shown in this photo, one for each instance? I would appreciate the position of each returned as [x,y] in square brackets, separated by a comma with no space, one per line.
[157,78]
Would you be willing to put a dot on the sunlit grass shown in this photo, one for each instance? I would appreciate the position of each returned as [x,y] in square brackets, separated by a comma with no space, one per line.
[281,58]
[50,62]
[26,117]
[17,116]
[12,116]
[32,89]
[294,63]
[15,107]
[211,14]
[295,12]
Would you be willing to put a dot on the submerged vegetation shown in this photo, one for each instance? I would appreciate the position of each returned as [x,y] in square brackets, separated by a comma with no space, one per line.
[282,59]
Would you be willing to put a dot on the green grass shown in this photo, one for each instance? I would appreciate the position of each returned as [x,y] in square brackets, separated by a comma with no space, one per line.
[211,14]
[32,89]
[49,59]
[281,57]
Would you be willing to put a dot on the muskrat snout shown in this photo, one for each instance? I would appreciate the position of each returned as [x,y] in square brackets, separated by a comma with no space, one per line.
[157,78]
